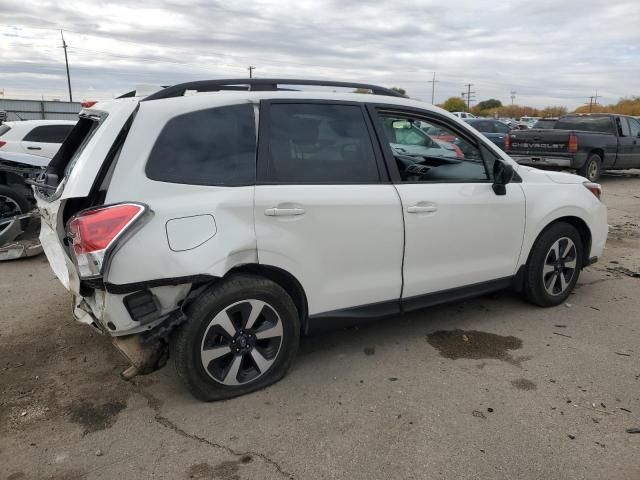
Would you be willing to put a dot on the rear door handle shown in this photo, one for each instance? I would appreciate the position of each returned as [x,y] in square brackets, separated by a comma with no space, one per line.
[422,208]
[283,212]
[34,148]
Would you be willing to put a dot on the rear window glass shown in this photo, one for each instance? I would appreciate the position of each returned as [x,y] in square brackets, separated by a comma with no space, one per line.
[585,124]
[48,134]
[208,147]
[4,129]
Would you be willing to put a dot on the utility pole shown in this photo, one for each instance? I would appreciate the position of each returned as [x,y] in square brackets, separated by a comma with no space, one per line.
[513,96]
[66,62]
[433,88]
[468,95]
[590,103]
[251,69]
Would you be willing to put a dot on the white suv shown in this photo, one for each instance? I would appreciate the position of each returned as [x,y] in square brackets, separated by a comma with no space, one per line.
[36,137]
[220,226]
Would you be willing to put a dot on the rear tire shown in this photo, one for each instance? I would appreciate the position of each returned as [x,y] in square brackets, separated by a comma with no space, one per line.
[241,335]
[12,203]
[592,168]
[554,265]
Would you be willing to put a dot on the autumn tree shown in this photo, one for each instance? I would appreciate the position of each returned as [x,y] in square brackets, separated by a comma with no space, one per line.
[555,111]
[454,104]
[401,91]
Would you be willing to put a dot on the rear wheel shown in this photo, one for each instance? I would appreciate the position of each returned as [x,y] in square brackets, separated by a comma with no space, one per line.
[241,336]
[592,168]
[12,203]
[554,265]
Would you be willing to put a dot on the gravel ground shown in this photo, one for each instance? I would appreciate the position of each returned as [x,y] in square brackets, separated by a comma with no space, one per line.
[488,388]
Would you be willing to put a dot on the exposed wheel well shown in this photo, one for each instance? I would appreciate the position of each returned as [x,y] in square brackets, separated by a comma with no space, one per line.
[583,230]
[286,281]
[597,151]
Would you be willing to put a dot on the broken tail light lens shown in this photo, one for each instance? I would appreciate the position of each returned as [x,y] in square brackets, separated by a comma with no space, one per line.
[93,233]
[594,188]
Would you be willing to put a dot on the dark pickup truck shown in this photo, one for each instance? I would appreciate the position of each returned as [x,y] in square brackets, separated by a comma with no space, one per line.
[587,143]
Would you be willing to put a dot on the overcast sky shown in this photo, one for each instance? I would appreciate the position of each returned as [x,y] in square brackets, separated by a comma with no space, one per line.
[550,52]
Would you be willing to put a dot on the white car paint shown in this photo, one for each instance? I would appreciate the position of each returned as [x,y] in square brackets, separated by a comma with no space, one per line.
[346,245]
[464,115]
[15,138]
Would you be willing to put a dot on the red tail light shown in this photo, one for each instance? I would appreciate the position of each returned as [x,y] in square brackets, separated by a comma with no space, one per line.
[93,232]
[2,144]
[573,143]
[594,188]
[88,103]
[507,142]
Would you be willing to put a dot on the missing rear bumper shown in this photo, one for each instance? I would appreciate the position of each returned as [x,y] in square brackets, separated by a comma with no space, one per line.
[144,358]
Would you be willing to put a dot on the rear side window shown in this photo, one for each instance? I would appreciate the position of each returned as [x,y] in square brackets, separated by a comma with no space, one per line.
[208,147]
[4,129]
[319,143]
[48,134]
[634,127]
[585,124]
[500,127]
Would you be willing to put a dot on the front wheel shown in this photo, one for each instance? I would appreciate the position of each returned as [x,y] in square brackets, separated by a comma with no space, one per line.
[241,335]
[592,168]
[554,265]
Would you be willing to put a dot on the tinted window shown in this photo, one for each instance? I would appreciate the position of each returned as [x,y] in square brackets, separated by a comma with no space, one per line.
[48,134]
[585,124]
[4,129]
[207,147]
[634,125]
[431,152]
[316,143]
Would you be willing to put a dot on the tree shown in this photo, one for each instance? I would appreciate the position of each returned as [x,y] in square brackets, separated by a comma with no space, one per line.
[362,90]
[555,111]
[488,104]
[401,91]
[454,104]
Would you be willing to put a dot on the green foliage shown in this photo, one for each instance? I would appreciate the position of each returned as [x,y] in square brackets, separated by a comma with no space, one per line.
[488,104]
[401,91]
[454,104]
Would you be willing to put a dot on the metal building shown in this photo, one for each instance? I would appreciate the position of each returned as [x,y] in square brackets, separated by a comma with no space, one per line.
[39,109]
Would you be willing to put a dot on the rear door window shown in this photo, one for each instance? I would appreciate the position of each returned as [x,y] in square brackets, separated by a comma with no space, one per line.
[216,146]
[48,134]
[318,144]
[634,127]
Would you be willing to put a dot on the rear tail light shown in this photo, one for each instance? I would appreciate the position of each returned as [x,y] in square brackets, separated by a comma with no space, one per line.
[88,103]
[93,234]
[507,142]
[573,143]
[594,188]
[2,144]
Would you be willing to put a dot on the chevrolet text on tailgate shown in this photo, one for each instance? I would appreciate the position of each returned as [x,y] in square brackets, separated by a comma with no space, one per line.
[216,228]
[588,144]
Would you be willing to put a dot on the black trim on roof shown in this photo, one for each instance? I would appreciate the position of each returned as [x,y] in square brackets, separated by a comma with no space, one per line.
[260,84]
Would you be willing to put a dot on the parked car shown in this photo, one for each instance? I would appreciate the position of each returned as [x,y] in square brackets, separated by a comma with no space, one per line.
[494,130]
[587,143]
[36,137]
[464,115]
[218,228]
[548,122]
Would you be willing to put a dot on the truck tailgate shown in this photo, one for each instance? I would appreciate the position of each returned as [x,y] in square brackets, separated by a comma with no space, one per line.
[531,142]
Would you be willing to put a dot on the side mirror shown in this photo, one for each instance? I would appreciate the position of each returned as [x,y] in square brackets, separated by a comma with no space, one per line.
[502,174]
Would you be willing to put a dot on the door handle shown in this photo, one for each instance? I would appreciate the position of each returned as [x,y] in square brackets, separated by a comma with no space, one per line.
[283,212]
[422,208]
[34,148]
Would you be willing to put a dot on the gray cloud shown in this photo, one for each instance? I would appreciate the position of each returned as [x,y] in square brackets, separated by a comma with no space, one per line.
[549,52]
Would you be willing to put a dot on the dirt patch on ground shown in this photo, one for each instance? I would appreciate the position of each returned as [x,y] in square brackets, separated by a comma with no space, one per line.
[94,417]
[472,344]
[523,384]
[227,470]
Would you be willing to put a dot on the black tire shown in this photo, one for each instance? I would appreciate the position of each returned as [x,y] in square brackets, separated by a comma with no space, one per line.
[592,168]
[187,341]
[23,204]
[534,286]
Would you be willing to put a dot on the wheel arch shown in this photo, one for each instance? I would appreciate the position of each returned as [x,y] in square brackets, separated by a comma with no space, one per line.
[286,280]
[579,224]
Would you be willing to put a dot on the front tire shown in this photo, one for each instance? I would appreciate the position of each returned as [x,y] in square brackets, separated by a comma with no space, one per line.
[592,168]
[242,335]
[554,265]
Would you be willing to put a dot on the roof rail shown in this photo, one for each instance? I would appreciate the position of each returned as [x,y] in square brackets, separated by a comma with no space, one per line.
[260,84]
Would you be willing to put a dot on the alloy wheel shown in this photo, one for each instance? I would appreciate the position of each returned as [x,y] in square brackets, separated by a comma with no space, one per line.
[559,266]
[8,209]
[241,342]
